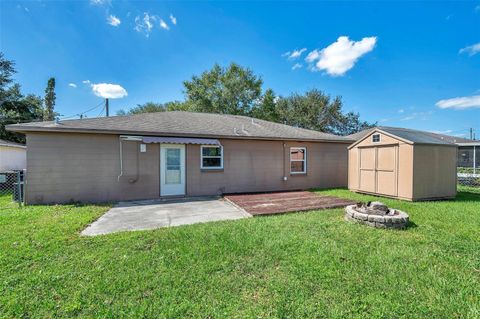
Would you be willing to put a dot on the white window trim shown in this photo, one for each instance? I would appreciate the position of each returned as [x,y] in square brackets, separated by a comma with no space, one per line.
[304,160]
[202,157]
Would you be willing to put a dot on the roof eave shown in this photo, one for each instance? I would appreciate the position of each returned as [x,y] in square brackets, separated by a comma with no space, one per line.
[473,143]
[25,130]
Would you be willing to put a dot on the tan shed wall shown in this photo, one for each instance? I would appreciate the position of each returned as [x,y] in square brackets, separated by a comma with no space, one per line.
[435,172]
[424,171]
[404,164]
[84,167]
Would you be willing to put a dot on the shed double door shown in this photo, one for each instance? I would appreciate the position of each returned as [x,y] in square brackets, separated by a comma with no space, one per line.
[378,171]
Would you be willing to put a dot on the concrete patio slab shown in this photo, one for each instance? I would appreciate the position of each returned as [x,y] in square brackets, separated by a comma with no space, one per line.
[151,214]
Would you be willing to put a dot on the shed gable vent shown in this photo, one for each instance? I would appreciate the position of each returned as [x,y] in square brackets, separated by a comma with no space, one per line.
[376,138]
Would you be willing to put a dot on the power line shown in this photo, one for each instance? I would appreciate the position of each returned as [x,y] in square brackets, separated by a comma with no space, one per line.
[101,112]
[84,112]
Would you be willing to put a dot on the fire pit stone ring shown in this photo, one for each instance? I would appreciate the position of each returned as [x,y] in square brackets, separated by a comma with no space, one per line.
[376,214]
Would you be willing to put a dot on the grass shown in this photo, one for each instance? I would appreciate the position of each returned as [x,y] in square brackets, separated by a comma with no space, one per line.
[301,265]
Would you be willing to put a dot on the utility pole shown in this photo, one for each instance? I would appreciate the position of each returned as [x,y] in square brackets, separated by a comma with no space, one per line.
[106,108]
[471,133]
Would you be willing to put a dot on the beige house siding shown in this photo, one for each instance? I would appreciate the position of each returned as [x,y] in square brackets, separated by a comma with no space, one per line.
[65,167]
[12,158]
[85,167]
[259,166]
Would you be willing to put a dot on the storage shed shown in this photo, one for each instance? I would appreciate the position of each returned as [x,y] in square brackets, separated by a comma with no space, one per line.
[403,163]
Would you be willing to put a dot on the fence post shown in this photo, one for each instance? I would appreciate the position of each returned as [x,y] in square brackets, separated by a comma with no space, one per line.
[19,188]
[474,160]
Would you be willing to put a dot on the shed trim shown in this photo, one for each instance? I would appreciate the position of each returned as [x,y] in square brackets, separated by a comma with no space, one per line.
[379,131]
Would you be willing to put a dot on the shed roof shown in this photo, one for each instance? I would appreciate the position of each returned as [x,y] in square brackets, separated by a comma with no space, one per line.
[179,123]
[410,135]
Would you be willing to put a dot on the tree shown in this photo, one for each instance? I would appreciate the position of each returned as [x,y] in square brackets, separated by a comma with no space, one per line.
[231,90]
[18,109]
[267,108]
[7,69]
[315,110]
[351,124]
[237,90]
[50,96]
[14,106]
[152,107]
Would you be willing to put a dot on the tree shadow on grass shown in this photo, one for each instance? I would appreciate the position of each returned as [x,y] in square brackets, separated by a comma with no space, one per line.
[467,196]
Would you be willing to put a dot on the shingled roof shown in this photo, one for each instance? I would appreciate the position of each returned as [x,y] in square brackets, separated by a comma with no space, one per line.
[179,123]
[414,136]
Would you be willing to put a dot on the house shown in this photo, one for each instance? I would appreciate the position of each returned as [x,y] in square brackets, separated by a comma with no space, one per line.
[13,156]
[402,163]
[155,155]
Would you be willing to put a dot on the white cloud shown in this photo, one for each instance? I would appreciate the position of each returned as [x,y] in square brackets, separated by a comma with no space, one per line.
[144,25]
[164,25]
[460,103]
[294,54]
[109,91]
[113,20]
[99,2]
[296,66]
[73,85]
[86,81]
[340,56]
[173,19]
[401,111]
[471,49]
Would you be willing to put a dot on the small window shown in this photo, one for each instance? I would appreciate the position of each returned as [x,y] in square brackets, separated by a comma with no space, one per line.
[298,160]
[211,157]
[376,138]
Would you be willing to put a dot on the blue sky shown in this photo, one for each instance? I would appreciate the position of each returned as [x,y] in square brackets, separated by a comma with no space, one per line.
[412,64]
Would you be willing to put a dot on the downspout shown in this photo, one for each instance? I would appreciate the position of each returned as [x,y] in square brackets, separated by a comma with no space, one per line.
[121,160]
[134,180]
[284,178]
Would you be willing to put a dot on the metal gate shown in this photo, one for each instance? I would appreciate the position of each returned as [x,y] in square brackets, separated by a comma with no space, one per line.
[12,185]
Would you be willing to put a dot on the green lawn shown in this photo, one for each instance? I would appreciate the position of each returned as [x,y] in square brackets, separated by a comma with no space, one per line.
[300,265]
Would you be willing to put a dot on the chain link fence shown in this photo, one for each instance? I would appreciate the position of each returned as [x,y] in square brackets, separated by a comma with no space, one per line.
[468,167]
[468,177]
[12,185]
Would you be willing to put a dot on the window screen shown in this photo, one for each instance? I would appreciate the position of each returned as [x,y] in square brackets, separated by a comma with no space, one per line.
[298,160]
[211,157]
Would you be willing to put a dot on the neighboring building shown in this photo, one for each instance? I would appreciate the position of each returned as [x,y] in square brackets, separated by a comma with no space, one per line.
[154,155]
[13,156]
[402,163]
[469,155]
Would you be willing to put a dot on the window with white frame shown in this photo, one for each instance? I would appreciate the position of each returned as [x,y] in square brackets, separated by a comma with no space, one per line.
[298,160]
[211,157]
[376,138]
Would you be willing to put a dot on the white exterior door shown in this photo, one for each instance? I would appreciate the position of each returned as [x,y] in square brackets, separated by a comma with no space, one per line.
[172,169]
